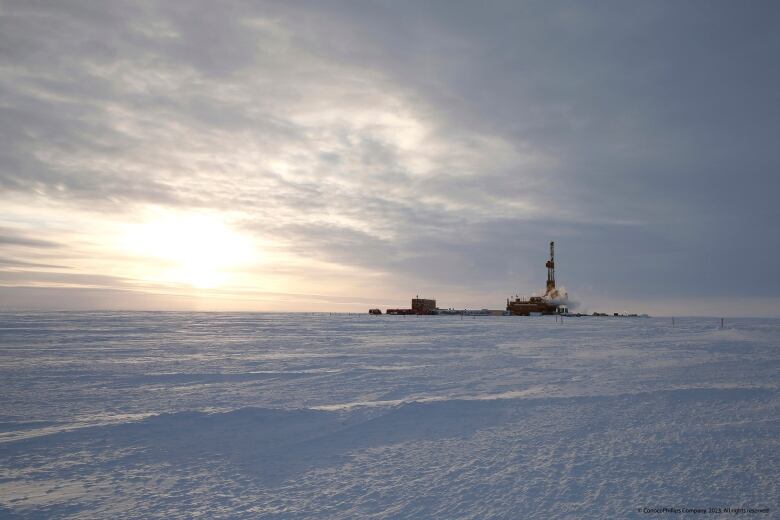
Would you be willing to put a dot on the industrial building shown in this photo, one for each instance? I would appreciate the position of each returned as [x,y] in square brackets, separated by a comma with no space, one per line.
[423,306]
[420,307]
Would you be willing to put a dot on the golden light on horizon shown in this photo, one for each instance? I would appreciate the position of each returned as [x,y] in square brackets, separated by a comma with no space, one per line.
[199,250]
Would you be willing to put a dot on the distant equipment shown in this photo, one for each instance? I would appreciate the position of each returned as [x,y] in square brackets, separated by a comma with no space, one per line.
[555,301]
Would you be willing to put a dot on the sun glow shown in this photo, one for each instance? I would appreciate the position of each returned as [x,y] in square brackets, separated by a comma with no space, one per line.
[199,250]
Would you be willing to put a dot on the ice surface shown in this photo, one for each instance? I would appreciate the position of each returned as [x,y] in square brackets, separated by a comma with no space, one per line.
[180,415]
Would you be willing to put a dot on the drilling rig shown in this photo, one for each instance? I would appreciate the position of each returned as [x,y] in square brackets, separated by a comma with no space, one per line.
[547,304]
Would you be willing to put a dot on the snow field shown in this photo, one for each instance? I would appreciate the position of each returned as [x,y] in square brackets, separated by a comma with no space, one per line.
[180,415]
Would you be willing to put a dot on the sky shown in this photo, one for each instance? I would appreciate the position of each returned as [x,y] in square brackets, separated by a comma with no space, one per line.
[335,156]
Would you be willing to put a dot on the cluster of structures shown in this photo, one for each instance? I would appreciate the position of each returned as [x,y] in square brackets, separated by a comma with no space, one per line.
[427,307]
[553,302]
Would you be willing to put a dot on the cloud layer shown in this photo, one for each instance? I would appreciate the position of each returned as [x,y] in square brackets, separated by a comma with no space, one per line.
[376,149]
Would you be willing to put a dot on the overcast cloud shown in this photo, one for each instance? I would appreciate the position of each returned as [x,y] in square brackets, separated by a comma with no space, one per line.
[373,150]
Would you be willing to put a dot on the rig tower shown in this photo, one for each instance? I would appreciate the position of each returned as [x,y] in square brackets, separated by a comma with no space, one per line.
[551,270]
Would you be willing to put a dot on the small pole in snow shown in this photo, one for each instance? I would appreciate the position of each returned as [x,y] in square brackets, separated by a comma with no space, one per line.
[721,323]
[672,322]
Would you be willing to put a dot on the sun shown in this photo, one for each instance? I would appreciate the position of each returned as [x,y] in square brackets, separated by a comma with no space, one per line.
[196,249]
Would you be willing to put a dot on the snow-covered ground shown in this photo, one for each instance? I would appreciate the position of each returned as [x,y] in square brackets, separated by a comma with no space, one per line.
[180,415]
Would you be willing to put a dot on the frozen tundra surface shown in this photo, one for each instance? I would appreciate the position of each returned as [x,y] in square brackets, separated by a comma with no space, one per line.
[183,415]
